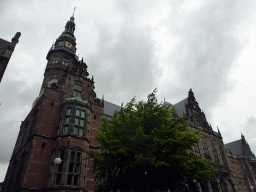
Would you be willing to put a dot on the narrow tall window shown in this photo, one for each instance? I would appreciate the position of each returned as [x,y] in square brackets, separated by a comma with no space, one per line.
[77,90]
[214,151]
[222,154]
[79,123]
[19,176]
[67,120]
[33,124]
[74,168]
[196,149]
[205,147]
[60,167]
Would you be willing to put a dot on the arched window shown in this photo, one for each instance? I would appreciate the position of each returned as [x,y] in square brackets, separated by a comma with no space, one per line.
[222,154]
[196,150]
[205,147]
[214,151]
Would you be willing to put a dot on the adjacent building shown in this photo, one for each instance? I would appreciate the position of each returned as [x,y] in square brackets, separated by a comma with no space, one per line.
[66,116]
[234,161]
[6,50]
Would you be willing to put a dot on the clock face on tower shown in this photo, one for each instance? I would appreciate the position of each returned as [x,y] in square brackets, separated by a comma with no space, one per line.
[69,45]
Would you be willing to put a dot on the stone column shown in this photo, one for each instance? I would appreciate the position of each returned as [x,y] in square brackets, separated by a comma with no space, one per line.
[226,186]
[198,186]
[218,186]
[209,187]
[234,188]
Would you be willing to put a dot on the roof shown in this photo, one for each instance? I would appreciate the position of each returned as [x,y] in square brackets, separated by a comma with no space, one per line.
[235,147]
[79,99]
[3,46]
[180,107]
[110,108]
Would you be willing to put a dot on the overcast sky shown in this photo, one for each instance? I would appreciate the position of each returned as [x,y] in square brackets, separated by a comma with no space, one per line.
[132,47]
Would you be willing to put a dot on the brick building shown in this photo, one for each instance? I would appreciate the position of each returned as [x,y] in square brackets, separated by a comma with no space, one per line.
[65,119]
[6,50]
[234,161]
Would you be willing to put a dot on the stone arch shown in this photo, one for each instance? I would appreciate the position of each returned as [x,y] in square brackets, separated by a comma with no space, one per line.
[233,186]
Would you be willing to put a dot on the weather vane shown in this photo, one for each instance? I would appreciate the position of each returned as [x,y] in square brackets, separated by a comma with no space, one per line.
[74,11]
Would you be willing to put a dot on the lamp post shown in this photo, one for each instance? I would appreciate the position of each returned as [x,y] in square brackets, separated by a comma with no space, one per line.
[57,161]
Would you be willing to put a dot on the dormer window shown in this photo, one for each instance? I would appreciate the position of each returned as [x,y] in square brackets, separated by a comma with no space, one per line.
[77,90]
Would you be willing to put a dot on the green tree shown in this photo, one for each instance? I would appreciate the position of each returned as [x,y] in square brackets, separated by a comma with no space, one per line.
[145,148]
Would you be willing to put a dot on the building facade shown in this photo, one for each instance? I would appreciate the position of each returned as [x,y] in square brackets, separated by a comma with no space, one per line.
[6,50]
[234,161]
[66,116]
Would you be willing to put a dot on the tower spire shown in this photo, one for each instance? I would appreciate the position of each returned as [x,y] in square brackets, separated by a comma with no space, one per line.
[74,11]
[67,38]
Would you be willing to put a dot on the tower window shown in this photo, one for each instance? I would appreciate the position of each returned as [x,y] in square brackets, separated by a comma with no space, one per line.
[65,62]
[55,59]
[79,123]
[74,168]
[77,90]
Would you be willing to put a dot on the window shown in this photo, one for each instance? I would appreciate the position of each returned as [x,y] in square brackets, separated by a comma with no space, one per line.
[214,151]
[205,147]
[79,123]
[77,90]
[33,124]
[222,154]
[55,59]
[60,167]
[19,176]
[238,186]
[196,150]
[74,168]
[65,62]
[67,121]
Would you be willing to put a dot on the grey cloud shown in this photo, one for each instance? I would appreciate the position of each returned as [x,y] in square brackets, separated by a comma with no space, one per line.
[207,48]
[14,108]
[125,62]
[250,127]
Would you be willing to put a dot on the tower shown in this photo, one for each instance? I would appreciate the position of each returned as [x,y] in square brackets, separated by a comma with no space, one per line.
[63,122]
[6,50]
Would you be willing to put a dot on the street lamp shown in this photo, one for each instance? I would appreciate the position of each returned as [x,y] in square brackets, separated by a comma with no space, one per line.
[57,161]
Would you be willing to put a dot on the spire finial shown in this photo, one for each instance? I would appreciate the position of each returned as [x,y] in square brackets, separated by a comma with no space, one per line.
[74,11]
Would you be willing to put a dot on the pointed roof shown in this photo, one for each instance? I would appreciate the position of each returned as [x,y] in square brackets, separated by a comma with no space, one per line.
[235,147]
[180,107]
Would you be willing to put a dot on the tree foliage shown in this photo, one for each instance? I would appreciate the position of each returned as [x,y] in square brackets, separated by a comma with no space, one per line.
[145,148]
